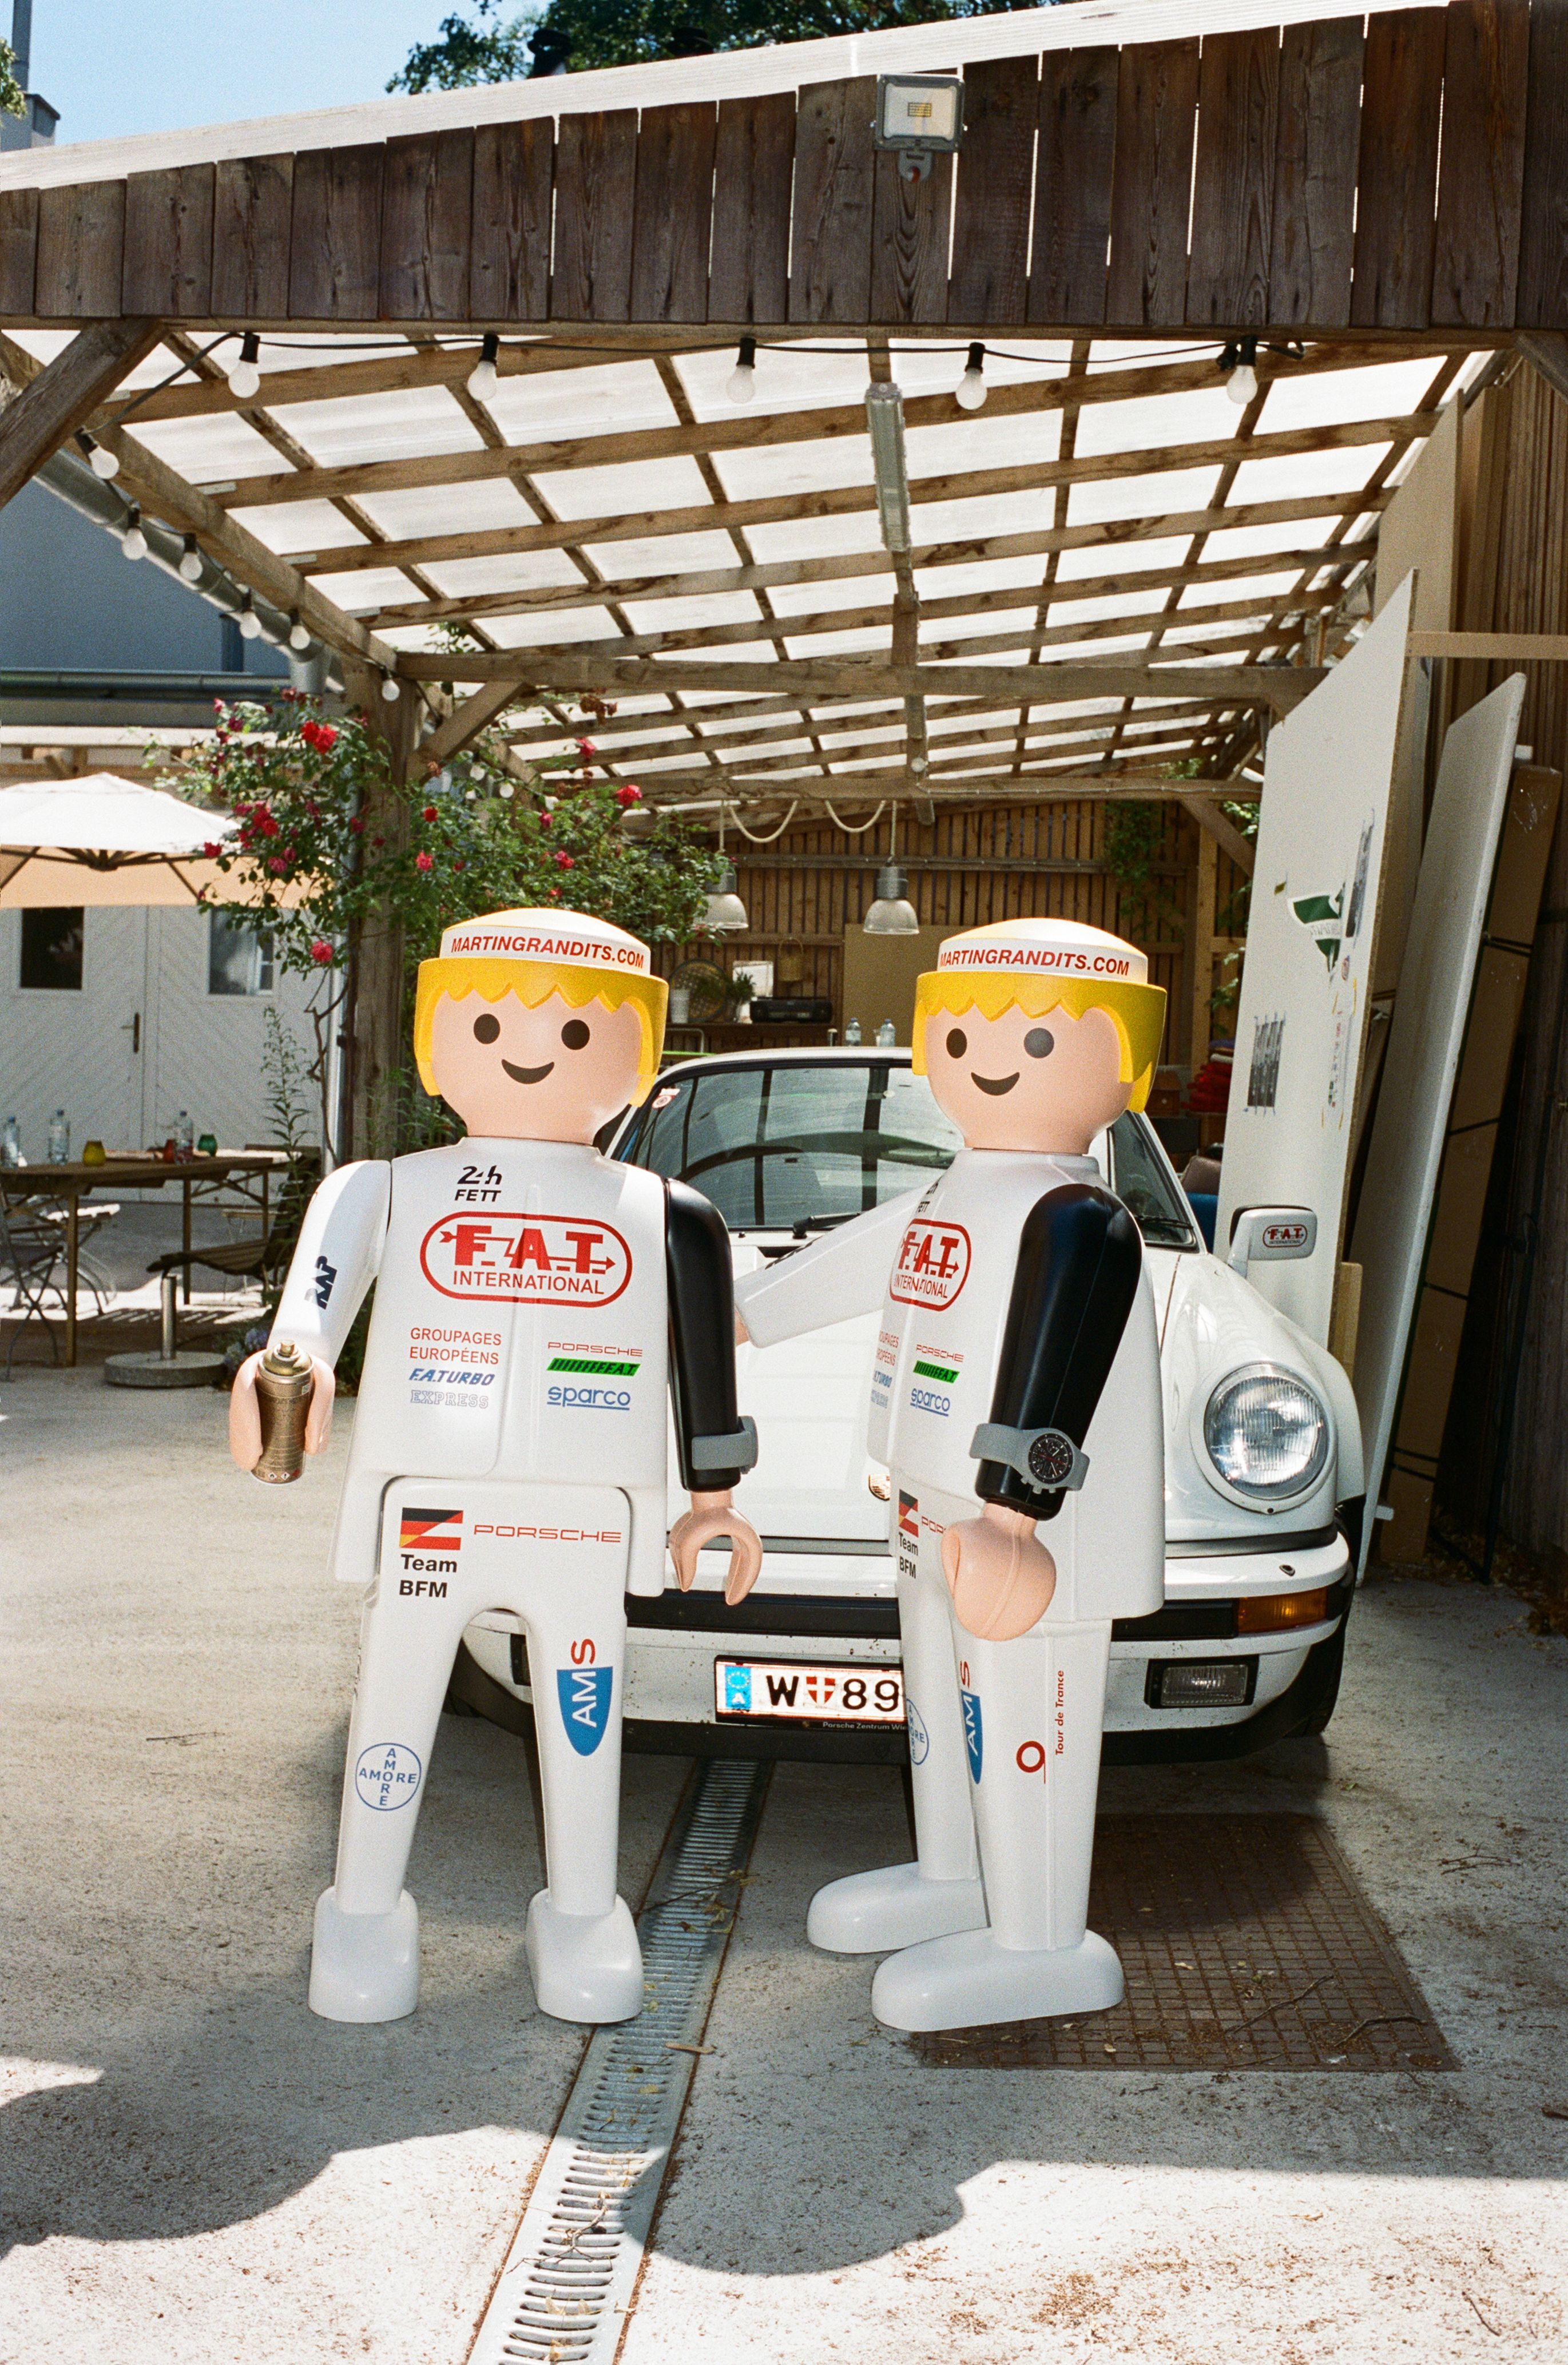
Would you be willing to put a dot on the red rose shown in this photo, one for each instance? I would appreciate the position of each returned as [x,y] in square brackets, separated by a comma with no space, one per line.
[565,862]
[321,952]
[268,827]
[458,864]
[586,750]
[357,825]
[211,850]
[422,861]
[430,813]
[277,865]
[628,795]
[546,819]
[318,735]
[554,895]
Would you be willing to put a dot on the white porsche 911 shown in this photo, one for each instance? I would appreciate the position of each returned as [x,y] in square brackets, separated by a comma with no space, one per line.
[1263,1485]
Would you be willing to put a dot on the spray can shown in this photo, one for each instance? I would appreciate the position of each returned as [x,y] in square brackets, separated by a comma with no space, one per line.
[284,1383]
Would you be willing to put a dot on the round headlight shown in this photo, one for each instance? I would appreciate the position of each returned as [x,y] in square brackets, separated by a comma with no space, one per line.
[1266,1432]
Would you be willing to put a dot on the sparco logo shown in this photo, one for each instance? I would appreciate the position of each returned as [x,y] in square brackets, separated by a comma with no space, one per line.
[933,1264]
[527,1259]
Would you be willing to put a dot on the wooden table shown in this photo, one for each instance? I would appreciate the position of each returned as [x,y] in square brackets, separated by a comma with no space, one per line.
[74,1181]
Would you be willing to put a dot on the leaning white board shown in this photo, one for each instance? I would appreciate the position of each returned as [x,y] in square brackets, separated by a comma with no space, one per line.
[1310,936]
[1424,1045]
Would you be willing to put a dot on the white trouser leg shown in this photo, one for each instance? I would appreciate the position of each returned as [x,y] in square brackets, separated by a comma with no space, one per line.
[1033,1711]
[365,1960]
[941,1892]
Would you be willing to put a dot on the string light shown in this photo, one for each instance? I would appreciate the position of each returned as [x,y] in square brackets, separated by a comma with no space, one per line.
[244,378]
[99,458]
[133,542]
[970,394]
[484,377]
[391,689]
[1241,377]
[741,384]
[190,560]
[248,621]
[298,632]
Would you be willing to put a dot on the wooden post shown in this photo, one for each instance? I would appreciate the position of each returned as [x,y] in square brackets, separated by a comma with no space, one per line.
[35,422]
[1200,952]
[378,1052]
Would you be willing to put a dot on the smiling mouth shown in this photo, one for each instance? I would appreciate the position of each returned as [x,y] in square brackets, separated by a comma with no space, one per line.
[995,1085]
[528,1075]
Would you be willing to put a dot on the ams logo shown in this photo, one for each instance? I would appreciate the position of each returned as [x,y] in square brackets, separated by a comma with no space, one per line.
[974,1726]
[526,1260]
[584,1692]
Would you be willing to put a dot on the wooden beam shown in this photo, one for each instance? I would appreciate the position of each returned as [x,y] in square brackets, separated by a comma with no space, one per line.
[1547,352]
[41,414]
[1032,787]
[464,724]
[1523,649]
[350,558]
[1280,687]
[1219,826]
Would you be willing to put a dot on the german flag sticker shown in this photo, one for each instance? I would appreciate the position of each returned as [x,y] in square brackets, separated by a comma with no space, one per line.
[908,1516]
[430,1531]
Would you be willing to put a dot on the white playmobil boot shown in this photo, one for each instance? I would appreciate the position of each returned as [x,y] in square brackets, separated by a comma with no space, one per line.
[872,1913]
[970,1982]
[365,1967]
[584,1966]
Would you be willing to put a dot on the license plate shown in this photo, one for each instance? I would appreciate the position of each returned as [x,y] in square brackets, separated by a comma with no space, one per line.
[805,1693]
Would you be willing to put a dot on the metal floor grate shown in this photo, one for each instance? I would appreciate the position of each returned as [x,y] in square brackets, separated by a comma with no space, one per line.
[569,2275]
[1247,1943]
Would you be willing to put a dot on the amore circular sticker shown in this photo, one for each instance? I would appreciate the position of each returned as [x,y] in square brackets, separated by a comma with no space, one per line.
[919,1739]
[386,1776]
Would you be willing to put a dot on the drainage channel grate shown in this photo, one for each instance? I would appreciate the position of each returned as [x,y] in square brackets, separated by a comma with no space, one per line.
[1247,1943]
[570,2272]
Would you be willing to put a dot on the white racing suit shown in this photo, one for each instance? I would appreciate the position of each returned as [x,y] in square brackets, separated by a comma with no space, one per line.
[532,1304]
[1013,1300]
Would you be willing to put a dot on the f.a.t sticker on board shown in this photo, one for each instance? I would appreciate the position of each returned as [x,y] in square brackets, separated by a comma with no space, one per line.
[1310,939]
[1395,1208]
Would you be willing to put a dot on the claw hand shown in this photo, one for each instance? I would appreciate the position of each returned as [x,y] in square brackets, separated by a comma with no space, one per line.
[1000,1575]
[711,1516]
[245,1414]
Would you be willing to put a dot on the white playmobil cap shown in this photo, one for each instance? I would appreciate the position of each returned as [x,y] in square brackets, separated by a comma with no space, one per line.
[1047,947]
[543,935]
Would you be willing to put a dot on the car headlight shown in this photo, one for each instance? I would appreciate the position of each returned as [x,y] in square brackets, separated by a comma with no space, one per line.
[1266,1432]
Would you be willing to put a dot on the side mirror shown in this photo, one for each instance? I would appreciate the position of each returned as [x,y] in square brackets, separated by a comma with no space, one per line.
[1270,1236]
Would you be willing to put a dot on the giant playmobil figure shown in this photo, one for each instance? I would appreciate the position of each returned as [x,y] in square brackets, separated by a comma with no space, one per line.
[1018,1359]
[509,1445]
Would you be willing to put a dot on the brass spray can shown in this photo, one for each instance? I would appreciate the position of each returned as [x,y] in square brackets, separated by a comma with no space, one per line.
[284,1383]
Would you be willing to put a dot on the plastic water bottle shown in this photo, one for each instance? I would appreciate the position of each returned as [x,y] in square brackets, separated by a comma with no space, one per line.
[184,1133]
[59,1140]
[852,1031]
[11,1143]
[887,1034]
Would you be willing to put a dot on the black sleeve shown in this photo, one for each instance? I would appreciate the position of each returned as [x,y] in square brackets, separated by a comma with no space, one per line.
[1080,1258]
[702,1343]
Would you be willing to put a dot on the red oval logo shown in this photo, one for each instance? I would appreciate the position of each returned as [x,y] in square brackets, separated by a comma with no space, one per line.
[933,1264]
[526,1260]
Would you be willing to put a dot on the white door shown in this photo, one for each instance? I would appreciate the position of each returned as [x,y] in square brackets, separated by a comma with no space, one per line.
[73,1036]
[206,1041]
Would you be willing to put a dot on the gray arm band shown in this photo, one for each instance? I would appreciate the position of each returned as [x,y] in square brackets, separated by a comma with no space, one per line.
[736,1451]
[1043,1457]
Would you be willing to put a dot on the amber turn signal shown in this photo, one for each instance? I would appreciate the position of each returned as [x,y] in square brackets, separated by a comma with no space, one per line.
[1270,1613]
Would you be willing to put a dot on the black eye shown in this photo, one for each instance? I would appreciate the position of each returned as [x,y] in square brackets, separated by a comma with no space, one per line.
[1038,1043]
[574,1034]
[487,1028]
[957,1044]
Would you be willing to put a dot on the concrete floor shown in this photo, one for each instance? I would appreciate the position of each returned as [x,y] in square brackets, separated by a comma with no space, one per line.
[193,2170]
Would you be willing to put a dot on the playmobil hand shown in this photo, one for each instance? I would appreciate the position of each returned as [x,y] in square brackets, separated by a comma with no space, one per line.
[245,1414]
[711,1516]
[1001,1577]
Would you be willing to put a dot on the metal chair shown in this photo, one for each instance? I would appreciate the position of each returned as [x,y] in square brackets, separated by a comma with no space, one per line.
[28,1255]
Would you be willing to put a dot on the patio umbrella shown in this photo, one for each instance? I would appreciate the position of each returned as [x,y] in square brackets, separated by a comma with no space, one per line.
[104,840]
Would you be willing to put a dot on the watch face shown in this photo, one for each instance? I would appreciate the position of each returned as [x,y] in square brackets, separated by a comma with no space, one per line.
[1050,1460]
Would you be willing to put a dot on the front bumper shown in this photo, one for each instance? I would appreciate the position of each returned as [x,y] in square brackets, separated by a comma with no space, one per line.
[843,1609]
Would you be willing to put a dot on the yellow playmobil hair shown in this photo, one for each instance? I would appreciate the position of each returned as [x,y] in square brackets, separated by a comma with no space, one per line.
[577,982]
[1136,1012]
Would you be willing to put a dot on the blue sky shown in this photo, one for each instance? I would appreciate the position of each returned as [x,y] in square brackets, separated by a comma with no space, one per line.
[116,66]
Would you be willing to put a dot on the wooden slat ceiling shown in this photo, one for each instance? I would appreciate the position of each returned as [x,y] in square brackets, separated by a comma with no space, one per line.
[1118,572]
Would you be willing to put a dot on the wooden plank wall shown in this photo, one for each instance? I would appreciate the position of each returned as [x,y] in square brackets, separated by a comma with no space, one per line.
[1404,172]
[994,864]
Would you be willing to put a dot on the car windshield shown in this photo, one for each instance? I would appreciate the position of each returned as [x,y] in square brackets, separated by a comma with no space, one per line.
[803,1145]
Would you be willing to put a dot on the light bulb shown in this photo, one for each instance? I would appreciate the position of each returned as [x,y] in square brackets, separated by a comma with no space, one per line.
[133,542]
[244,378]
[190,560]
[970,394]
[298,632]
[250,622]
[391,689]
[484,377]
[100,459]
[1242,384]
[741,384]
